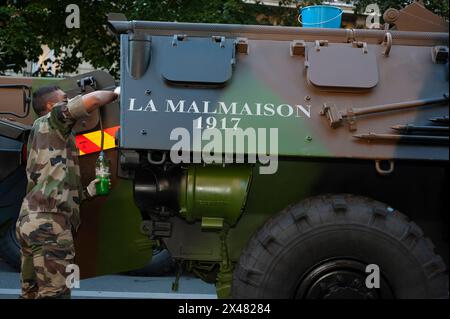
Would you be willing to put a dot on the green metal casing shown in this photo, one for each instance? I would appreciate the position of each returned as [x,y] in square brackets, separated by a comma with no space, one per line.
[213,192]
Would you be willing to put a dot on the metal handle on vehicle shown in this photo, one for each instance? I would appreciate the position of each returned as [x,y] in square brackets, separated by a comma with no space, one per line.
[387,42]
[384,172]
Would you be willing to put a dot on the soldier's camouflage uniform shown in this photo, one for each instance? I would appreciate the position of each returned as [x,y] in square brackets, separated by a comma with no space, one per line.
[50,210]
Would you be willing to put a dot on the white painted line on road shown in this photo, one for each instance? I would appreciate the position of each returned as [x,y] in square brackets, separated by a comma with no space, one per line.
[124,294]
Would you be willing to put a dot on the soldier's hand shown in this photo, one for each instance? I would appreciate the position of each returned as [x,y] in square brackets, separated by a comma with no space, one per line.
[91,189]
[117,91]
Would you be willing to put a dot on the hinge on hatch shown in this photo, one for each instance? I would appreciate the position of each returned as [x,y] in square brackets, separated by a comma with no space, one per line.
[439,54]
[320,43]
[219,39]
[363,45]
[177,38]
[241,45]
[298,47]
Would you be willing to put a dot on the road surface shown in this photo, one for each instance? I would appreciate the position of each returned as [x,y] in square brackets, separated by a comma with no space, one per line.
[119,286]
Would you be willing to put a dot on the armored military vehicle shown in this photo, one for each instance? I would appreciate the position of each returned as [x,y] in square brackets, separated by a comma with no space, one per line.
[286,162]
[278,162]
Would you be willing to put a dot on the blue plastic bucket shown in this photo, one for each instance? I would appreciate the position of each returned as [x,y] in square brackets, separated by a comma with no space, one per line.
[321,17]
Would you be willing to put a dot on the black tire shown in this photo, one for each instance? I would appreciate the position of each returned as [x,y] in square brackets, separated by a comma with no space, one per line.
[283,259]
[9,246]
[161,264]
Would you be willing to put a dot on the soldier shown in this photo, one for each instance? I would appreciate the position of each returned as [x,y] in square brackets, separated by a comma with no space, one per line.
[50,210]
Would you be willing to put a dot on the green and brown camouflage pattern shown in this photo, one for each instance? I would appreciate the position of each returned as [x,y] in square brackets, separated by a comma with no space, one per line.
[273,68]
[53,172]
[271,88]
[47,249]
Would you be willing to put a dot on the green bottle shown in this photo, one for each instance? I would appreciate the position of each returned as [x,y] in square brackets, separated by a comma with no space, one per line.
[102,173]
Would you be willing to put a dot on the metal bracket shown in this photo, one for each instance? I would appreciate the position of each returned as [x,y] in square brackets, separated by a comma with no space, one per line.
[177,38]
[212,223]
[415,17]
[320,43]
[241,45]
[219,39]
[87,81]
[176,283]
[384,172]
[363,45]
[161,229]
[298,47]
[129,159]
[334,116]
[439,54]
[351,119]
[350,35]
[146,227]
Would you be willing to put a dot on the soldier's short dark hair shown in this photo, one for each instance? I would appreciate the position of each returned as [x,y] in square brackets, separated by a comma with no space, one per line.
[41,97]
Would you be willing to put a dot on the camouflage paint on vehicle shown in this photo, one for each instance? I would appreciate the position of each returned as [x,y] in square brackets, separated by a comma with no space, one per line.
[172,74]
[254,83]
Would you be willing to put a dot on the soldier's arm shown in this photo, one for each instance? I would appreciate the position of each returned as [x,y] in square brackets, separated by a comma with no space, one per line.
[64,115]
[94,100]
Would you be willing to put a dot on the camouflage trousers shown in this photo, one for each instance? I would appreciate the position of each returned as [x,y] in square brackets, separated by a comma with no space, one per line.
[47,248]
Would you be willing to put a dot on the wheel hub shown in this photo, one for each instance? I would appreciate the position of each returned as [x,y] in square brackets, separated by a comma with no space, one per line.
[340,279]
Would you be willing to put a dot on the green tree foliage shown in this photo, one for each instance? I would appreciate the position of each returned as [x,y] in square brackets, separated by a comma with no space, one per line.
[18,41]
[25,25]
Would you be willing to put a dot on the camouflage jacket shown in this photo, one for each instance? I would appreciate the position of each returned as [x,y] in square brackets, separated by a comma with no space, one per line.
[53,172]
